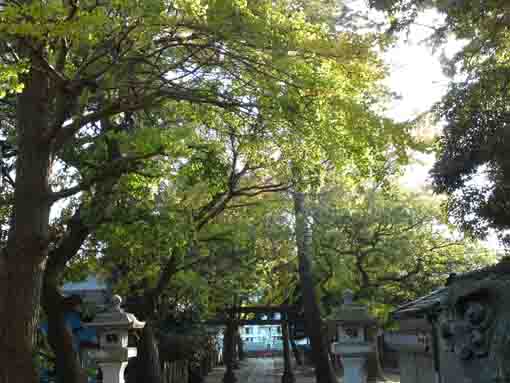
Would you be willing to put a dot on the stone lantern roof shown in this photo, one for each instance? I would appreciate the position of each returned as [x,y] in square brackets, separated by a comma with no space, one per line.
[116,318]
[352,313]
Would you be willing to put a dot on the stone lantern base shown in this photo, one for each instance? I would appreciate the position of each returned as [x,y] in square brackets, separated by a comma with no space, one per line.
[113,372]
[354,369]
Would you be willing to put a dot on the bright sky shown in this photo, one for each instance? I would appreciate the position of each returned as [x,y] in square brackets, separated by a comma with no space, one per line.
[416,76]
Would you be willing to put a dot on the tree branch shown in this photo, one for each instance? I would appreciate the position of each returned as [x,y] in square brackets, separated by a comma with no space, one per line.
[114,170]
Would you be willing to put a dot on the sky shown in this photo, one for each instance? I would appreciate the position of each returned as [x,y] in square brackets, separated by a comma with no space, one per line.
[415,74]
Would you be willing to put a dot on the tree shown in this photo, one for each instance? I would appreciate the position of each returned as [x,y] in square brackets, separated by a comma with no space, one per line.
[474,147]
[80,75]
[152,239]
[84,80]
[388,246]
[323,369]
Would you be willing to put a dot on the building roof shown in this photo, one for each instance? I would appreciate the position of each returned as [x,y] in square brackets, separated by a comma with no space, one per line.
[428,303]
[421,306]
[92,283]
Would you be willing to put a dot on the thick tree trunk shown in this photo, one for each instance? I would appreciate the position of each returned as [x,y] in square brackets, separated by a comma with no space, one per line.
[148,360]
[228,353]
[323,369]
[22,263]
[68,366]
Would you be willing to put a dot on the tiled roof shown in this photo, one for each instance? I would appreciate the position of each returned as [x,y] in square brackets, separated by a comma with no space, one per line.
[422,305]
[427,303]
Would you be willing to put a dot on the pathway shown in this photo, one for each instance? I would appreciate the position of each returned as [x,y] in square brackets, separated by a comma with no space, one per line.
[264,370]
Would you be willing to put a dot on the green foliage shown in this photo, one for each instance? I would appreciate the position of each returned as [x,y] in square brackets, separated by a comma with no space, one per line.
[389,247]
[10,78]
[163,116]
[474,147]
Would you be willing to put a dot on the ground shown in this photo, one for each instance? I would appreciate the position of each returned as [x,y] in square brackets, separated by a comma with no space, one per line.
[267,370]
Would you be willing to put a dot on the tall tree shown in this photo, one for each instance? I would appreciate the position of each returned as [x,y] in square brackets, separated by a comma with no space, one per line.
[80,77]
[323,369]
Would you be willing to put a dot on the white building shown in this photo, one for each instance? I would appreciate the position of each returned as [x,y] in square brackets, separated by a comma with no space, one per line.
[262,337]
[268,334]
[93,290]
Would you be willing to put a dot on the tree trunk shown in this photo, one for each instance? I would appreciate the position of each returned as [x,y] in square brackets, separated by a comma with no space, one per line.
[148,365]
[240,348]
[295,350]
[228,353]
[22,264]
[148,361]
[323,369]
[288,375]
[235,348]
[68,366]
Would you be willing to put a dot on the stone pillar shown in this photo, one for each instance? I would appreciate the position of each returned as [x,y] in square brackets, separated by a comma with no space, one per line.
[113,372]
[355,369]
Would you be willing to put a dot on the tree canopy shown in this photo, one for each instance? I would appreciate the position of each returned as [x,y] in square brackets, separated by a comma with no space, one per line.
[100,102]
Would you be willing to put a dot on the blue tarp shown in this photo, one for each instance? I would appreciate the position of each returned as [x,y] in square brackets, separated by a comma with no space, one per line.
[80,335]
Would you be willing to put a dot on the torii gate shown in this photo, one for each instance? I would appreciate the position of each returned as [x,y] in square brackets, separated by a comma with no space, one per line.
[231,323]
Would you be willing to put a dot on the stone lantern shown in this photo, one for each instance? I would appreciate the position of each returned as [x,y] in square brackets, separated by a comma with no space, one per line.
[354,345]
[112,329]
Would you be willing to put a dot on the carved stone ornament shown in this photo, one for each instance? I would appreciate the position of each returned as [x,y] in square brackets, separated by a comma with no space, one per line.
[474,327]
[467,333]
